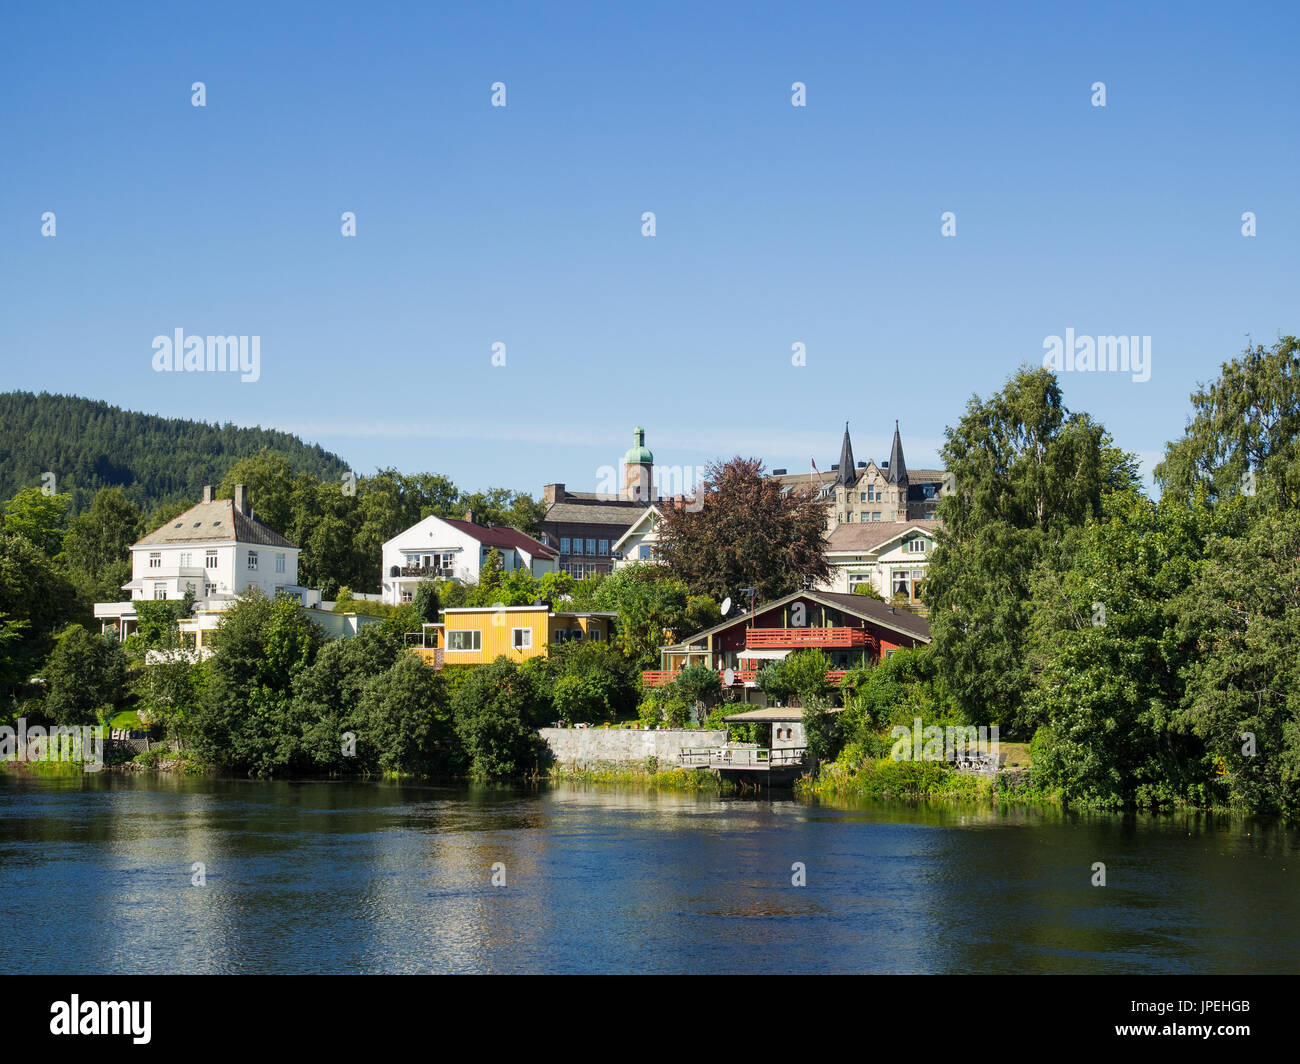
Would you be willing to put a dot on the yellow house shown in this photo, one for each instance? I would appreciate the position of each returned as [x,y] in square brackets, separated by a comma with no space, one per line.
[480,635]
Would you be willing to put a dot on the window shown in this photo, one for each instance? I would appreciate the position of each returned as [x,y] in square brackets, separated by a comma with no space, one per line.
[591,546]
[465,639]
[521,638]
[575,634]
[875,516]
[865,515]
[564,544]
[916,546]
[279,563]
[406,596]
[155,560]
[858,578]
[594,635]
[252,559]
[891,652]
[602,548]
[643,551]
[862,497]
[187,559]
[210,559]
[918,583]
[901,583]
[160,591]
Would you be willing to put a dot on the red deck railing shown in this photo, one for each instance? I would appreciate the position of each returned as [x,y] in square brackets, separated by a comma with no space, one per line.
[662,677]
[779,638]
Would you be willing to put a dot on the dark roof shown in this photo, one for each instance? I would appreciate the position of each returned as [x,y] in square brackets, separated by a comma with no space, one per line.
[867,536]
[867,608]
[594,508]
[217,520]
[848,472]
[897,467]
[502,536]
[880,612]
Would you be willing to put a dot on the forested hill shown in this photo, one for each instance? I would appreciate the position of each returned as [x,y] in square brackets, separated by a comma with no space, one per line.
[89,445]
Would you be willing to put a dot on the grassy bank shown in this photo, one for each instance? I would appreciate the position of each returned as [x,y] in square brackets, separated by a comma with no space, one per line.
[887,778]
[648,774]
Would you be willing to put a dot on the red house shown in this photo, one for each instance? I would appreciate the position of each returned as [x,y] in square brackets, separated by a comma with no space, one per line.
[852,630]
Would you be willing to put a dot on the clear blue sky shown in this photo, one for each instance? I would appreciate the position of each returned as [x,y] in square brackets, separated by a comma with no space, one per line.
[522,224]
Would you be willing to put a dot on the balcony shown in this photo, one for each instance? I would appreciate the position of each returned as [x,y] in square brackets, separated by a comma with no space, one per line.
[432,572]
[661,678]
[783,638]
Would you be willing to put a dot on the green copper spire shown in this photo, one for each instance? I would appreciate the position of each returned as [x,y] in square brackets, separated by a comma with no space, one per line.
[638,453]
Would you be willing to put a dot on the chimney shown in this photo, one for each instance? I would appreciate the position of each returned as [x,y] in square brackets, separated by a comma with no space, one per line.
[207,492]
[469,516]
[241,499]
[552,493]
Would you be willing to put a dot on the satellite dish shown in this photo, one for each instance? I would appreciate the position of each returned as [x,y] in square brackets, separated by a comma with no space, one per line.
[726,605]
[729,677]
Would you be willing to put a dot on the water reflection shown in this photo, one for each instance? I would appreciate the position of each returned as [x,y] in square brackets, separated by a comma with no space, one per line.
[328,876]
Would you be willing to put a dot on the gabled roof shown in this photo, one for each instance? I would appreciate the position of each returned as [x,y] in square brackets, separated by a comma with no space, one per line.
[869,536]
[868,609]
[637,524]
[593,508]
[501,536]
[216,520]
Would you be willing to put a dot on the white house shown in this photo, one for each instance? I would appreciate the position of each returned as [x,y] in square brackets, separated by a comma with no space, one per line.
[891,556]
[639,542]
[217,549]
[450,549]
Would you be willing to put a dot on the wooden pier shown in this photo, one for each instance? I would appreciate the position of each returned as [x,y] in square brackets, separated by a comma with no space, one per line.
[772,767]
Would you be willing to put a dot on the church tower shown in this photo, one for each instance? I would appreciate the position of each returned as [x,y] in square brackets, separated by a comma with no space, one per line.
[638,470]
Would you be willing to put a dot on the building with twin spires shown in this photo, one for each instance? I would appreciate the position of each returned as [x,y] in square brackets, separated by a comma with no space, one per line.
[864,492]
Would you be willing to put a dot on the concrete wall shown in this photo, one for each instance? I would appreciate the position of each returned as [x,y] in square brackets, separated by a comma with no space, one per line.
[590,747]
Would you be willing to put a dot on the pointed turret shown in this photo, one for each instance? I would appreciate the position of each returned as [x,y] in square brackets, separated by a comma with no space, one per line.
[897,467]
[848,471]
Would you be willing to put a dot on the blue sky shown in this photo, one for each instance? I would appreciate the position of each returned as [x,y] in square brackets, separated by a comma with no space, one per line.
[775,225]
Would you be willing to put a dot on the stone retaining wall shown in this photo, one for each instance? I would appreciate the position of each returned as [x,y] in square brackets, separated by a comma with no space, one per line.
[592,747]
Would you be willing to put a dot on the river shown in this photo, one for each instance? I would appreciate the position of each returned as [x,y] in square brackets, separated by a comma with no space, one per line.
[97,875]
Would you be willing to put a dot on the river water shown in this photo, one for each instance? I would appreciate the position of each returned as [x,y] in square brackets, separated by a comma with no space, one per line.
[97,875]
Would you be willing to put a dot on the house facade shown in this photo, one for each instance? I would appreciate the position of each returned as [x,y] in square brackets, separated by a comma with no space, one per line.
[218,550]
[892,558]
[640,543]
[583,527]
[852,630]
[862,492]
[478,636]
[450,549]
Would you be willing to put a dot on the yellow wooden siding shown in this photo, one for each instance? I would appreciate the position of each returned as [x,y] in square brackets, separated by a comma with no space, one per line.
[496,638]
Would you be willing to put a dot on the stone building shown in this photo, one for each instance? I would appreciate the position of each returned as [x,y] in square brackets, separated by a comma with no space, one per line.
[857,492]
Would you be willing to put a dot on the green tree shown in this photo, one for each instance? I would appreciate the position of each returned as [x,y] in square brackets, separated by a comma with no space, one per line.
[496,711]
[407,719]
[1246,422]
[85,678]
[1025,469]
[36,601]
[747,531]
[39,518]
[97,548]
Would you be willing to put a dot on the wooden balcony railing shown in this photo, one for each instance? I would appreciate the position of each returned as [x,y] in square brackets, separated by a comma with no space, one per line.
[662,677]
[780,638]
